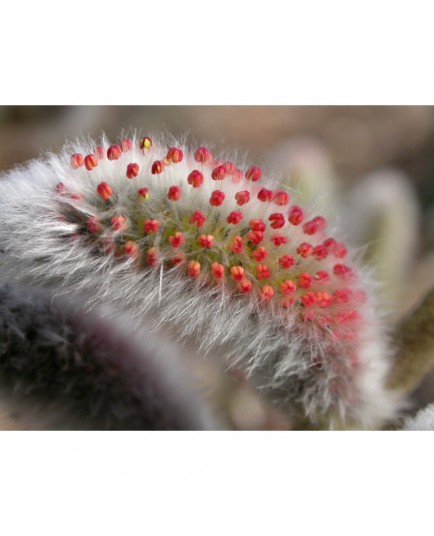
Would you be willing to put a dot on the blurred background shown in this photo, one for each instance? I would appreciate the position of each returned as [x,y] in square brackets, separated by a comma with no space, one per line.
[371,166]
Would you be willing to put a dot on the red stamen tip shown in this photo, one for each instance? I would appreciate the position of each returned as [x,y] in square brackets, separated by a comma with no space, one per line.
[202,155]
[151,226]
[206,241]
[104,190]
[281,198]
[176,239]
[77,160]
[174,193]
[253,174]
[193,268]
[195,179]
[93,225]
[90,162]
[277,220]
[198,218]
[265,195]
[217,198]
[157,167]
[296,215]
[217,270]
[114,152]
[175,155]
[219,173]
[126,145]
[119,223]
[235,217]
[266,293]
[242,197]
[133,170]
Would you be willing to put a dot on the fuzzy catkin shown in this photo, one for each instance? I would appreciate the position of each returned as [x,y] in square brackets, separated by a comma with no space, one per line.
[293,315]
[61,368]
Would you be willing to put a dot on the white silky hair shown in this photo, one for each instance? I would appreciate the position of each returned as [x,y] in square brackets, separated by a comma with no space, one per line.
[277,353]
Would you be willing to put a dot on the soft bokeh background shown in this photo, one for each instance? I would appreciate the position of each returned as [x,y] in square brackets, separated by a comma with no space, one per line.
[372,166]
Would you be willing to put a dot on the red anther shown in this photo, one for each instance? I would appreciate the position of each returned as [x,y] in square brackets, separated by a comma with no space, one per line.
[157,167]
[330,244]
[262,271]
[206,241]
[340,251]
[61,188]
[237,176]
[175,155]
[286,261]
[237,244]
[342,295]
[198,218]
[217,198]
[104,190]
[312,226]
[176,239]
[257,225]
[265,195]
[287,287]
[322,276]
[217,270]
[237,273]
[323,299]
[244,286]
[174,193]
[145,143]
[304,280]
[288,302]
[256,237]
[193,268]
[178,258]
[229,168]
[305,250]
[114,152]
[202,155]
[281,198]
[266,293]
[126,145]
[219,173]
[152,256]
[278,239]
[151,226]
[77,160]
[90,162]
[259,254]
[234,217]
[341,270]
[253,174]
[295,215]
[143,193]
[131,249]
[242,197]
[77,197]
[308,299]
[119,223]
[320,252]
[93,225]
[308,317]
[195,179]
[132,170]
[100,152]
[277,220]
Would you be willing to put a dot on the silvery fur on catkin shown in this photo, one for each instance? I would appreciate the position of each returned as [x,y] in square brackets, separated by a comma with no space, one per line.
[279,355]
